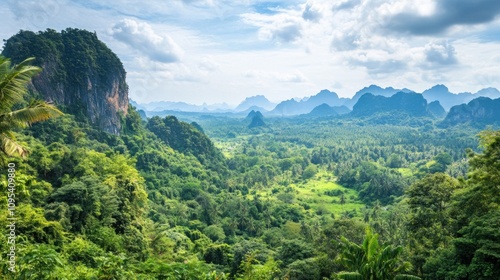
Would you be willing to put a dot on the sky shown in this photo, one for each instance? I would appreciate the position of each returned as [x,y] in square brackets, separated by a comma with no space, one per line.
[215,51]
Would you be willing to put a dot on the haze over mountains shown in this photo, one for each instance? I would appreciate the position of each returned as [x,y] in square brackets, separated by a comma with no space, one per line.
[448,99]
[439,100]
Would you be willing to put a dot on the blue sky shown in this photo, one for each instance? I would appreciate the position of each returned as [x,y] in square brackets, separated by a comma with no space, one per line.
[213,51]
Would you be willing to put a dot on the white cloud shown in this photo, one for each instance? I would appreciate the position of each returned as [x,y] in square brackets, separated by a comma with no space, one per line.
[304,46]
[295,77]
[285,77]
[142,37]
[35,13]
[345,40]
[311,13]
[378,62]
[252,74]
[208,64]
[440,54]
[198,2]
[284,27]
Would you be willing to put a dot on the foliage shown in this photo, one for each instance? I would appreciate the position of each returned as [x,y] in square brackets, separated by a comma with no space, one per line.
[371,260]
[39,262]
[429,201]
[13,82]
[167,199]
[474,252]
[83,76]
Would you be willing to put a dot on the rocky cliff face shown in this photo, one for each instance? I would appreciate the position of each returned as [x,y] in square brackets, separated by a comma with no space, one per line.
[80,74]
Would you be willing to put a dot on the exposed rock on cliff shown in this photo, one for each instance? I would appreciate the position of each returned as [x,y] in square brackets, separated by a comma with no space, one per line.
[81,75]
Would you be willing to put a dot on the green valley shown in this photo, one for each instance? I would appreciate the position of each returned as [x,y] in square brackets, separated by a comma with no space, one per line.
[102,192]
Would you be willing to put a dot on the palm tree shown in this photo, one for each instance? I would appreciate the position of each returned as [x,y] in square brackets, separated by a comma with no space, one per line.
[13,82]
[371,261]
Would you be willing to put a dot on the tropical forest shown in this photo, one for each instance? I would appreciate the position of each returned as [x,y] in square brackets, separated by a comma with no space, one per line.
[391,184]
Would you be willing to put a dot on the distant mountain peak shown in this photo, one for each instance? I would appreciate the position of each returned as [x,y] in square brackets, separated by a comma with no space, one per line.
[323,110]
[304,106]
[372,86]
[255,101]
[436,109]
[373,89]
[411,103]
[448,99]
[257,119]
[480,112]
[254,113]
[440,87]
[325,94]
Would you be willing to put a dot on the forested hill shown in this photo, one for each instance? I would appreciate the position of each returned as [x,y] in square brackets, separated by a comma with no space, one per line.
[185,138]
[478,112]
[408,102]
[81,75]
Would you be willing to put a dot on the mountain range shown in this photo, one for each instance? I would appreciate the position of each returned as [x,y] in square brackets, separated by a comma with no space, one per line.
[181,106]
[449,99]
[96,91]
[375,90]
[292,107]
[304,106]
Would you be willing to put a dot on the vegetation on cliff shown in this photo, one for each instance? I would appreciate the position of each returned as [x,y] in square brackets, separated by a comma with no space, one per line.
[82,76]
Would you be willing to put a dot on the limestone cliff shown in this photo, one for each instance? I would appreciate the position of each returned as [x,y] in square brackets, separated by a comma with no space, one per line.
[81,75]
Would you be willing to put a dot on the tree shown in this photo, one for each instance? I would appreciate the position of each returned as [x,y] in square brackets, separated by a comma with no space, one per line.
[475,253]
[309,172]
[342,201]
[252,269]
[215,232]
[372,261]
[13,82]
[293,250]
[441,162]
[482,193]
[39,261]
[394,161]
[429,201]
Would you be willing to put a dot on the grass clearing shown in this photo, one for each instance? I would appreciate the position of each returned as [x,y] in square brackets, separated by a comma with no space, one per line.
[321,193]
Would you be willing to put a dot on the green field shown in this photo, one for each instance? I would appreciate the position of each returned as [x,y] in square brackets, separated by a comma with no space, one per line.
[313,193]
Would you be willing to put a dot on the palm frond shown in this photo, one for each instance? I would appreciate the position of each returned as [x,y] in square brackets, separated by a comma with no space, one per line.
[35,112]
[13,81]
[406,277]
[350,276]
[11,148]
